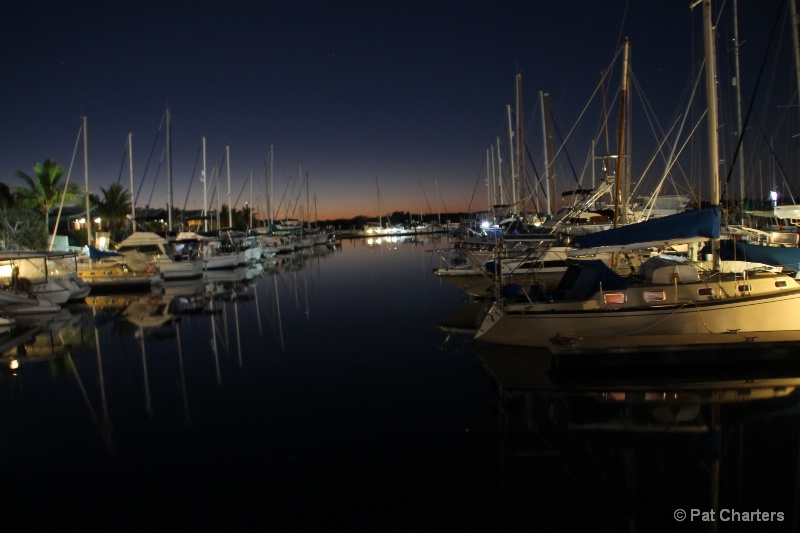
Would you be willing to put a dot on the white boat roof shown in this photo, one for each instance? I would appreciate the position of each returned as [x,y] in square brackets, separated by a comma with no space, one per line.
[141,238]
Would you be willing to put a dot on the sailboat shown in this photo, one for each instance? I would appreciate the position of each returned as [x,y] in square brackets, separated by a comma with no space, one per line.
[670,303]
[145,251]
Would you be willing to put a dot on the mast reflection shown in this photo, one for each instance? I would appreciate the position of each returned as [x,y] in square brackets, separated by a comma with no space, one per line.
[633,445]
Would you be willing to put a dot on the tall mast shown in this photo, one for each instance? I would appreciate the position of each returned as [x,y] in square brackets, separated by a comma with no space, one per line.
[521,148]
[620,196]
[251,199]
[549,173]
[511,159]
[738,83]
[228,163]
[795,40]
[268,185]
[489,179]
[438,209]
[86,184]
[499,182]
[205,186]
[711,100]
[378,188]
[308,202]
[169,175]
[130,169]
[219,212]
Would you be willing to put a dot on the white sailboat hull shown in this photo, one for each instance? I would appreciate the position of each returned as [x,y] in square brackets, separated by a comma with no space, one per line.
[727,310]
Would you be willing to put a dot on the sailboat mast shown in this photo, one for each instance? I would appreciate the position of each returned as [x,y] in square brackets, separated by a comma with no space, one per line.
[521,148]
[228,163]
[86,184]
[711,100]
[795,39]
[511,160]
[378,187]
[169,175]
[738,81]
[499,180]
[251,199]
[619,201]
[489,181]
[205,186]
[438,209]
[549,172]
[219,211]
[308,202]
[130,169]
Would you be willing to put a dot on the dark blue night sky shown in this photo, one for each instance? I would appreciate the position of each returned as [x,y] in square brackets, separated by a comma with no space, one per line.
[403,98]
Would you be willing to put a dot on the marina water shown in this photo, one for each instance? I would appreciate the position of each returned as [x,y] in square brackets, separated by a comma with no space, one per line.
[340,389]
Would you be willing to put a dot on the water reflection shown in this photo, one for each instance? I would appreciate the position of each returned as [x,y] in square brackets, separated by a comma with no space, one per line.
[627,449]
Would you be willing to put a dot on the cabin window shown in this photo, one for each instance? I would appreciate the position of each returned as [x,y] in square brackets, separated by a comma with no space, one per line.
[781,284]
[614,297]
[655,296]
[705,291]
[745,288]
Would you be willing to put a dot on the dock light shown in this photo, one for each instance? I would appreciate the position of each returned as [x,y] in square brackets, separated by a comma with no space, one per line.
[485,224]
[6,271]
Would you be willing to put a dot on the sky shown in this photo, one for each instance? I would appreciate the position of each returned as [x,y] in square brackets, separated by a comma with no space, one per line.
[368,107]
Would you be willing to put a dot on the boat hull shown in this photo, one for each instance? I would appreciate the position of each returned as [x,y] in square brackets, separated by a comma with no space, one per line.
[535,324]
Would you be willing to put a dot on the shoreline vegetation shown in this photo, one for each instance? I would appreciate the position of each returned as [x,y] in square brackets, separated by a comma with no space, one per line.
[30,214]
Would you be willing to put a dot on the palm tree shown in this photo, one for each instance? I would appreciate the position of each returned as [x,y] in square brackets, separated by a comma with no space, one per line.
[44,192]
[115,207]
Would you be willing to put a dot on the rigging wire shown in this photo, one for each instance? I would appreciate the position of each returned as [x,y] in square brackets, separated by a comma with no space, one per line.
[191,180]
[750,107]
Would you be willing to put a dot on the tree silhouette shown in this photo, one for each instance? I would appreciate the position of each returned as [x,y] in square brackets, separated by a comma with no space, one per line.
[45,190]
[114,208]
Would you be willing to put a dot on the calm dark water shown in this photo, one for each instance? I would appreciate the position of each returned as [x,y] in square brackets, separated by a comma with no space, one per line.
[324,396]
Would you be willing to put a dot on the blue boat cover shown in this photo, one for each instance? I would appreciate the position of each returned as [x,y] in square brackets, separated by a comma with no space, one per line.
[788,258]
[94,253]
[702,223]
[591,273]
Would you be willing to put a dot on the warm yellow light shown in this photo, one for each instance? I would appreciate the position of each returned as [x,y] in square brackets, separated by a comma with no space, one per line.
[13,364]
[5,271]
[97,220]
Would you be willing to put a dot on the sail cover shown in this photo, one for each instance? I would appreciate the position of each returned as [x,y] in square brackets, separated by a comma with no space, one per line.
[682,227]
[786,257]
